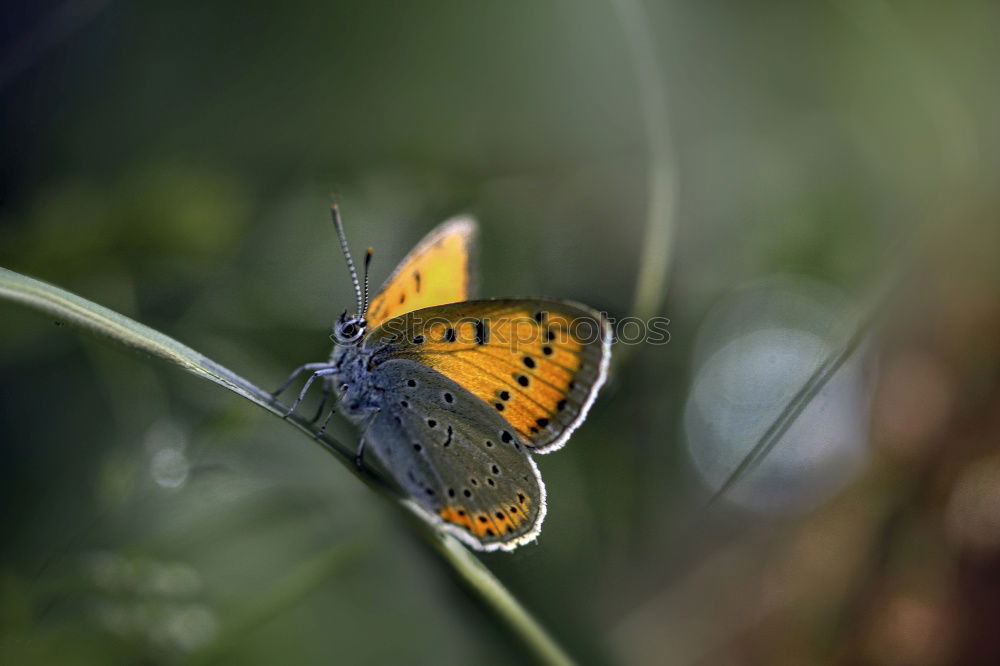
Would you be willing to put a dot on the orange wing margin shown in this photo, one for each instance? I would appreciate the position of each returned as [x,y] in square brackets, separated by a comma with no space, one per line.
[437,271]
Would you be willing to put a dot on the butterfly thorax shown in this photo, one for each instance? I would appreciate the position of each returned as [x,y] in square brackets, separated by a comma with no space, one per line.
[353,381]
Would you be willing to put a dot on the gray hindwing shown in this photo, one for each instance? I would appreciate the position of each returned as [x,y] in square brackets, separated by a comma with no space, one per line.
[457,457]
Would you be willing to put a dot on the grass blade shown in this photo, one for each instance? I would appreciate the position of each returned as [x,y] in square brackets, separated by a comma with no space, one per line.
[859,328]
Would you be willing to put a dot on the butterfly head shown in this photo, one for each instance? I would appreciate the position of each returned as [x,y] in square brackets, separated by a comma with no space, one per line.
[350,330]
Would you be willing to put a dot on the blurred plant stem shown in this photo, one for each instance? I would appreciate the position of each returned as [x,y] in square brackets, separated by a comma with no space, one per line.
[853,333]
[658,240]
[69,307]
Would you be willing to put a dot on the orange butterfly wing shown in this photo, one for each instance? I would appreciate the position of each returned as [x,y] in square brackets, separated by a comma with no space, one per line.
[435,272]
[539,363]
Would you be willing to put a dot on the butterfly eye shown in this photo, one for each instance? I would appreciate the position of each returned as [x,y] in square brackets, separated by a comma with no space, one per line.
[350,330]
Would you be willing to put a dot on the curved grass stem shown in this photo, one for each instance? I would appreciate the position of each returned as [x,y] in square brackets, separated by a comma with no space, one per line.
[658,240]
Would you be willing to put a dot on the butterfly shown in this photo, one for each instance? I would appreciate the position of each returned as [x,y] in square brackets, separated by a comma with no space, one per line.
[454,396]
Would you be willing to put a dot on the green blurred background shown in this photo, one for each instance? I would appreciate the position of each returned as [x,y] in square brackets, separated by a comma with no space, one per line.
[175,161]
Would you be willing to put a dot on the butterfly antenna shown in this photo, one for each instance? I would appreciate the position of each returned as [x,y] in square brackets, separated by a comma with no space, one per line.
[347,255]
[368,261]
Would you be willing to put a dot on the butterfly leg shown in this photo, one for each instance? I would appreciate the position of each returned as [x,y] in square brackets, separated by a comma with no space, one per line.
[359,455]
[295,373]
[322,401]
[322,428]
[322,372]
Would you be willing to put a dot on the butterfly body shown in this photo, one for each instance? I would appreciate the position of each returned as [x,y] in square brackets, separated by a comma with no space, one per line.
[453,397]
[354,384]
